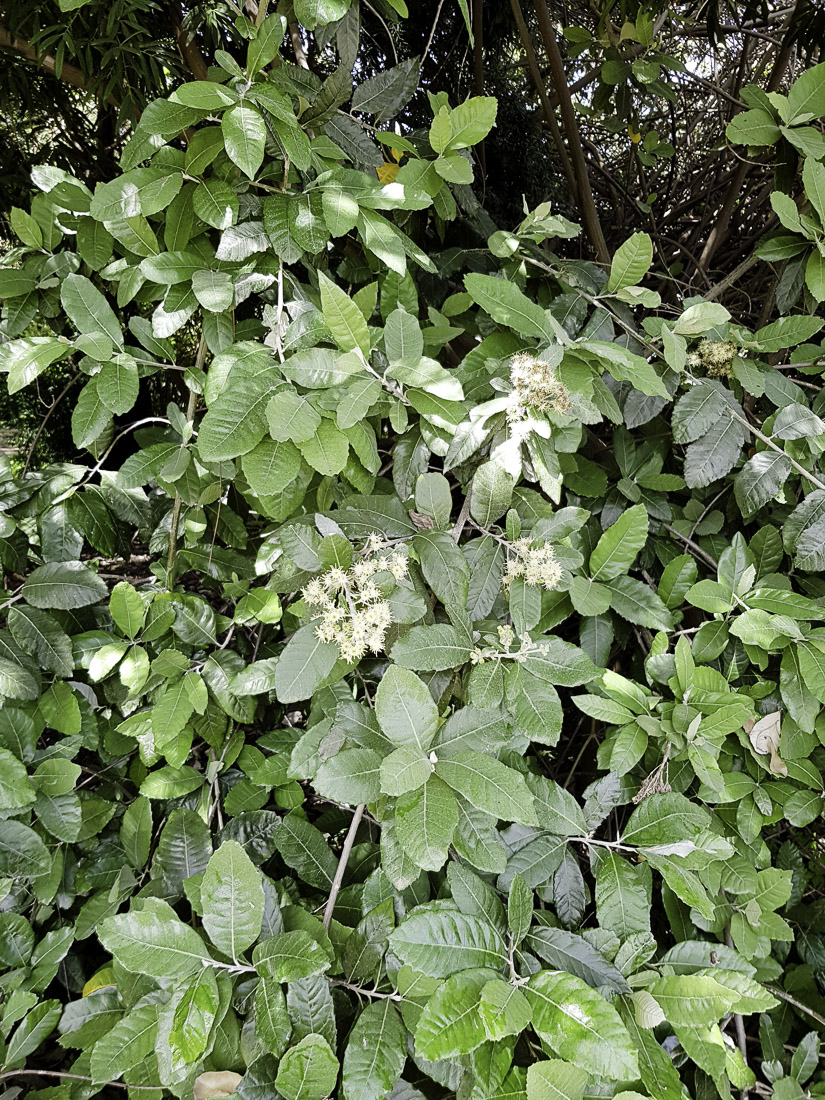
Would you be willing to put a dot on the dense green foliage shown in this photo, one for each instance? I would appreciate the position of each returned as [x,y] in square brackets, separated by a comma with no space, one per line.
[427,699]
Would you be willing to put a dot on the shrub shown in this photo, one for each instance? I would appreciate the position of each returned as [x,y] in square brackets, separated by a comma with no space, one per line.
[430,703]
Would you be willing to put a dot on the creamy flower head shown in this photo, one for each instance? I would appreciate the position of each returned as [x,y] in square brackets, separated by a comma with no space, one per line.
[355,615]
[536,386]
[536,566]
[716,356]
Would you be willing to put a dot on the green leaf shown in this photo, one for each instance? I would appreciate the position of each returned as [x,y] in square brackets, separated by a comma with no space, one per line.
[304,849]
[508,306]
[563,950]
[130,1042]
[664,819]
[491,493]
[88,310]
[271,466]
[264,46]
[759,480]
[319,13]
[806,98]
[343,317]
[26,359]
[444,566]
[303,666]
[272,1022]
[26,227]
[351,776]
[236,421]
[154,941]
[22,852]
[626,366]
[205,95]
[405,709]
[90,417]
[30,1032]
[450,1025]
[405,769]
[327,450]
[215,203]
[715,453]
[127,609]
[490,786]
[696,412]
[244,136]
[194,1017]
[117,386]
[376,1053]
[555,1080]
[308,1071]
[617,548]
[214,290]
[754,127]
[431,648]
[136,832]
[631,262]
[638,603]
[39,634]
[692,1000]
[232,898]
[16,791]
[440,942]
[290,956]
[471,121]
[425,821]
[384,94]
[504,1010]
[580,1026]
[787,332]
[622,900]
[66,585]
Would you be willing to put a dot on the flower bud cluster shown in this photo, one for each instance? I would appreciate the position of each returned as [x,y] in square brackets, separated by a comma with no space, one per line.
[536,386]
[354,614]
[716,356]
[506,637]
[535,565]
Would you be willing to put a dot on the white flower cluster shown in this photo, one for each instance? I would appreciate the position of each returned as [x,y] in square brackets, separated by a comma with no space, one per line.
[506,637]
[536,566]
[535,385]
[716,356]
[355,615]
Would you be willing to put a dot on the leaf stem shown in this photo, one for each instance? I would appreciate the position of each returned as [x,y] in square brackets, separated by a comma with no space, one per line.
[340,870]
[365,992]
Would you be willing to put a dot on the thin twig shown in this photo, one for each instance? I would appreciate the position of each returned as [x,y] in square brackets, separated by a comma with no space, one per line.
[76,1077]
[773,446]
[783,996]
[695,547]
[432,33]
[340,870]
[739,1023]
[45,419]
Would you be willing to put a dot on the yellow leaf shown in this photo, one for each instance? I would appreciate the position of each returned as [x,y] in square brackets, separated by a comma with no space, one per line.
[634,136]
[104,978]
[387,173]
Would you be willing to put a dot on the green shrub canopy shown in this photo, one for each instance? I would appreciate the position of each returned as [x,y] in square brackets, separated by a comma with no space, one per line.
[428,700]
